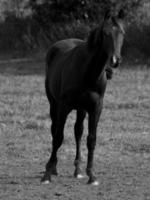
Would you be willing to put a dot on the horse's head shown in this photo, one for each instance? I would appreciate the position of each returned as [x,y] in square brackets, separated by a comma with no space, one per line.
[112,34]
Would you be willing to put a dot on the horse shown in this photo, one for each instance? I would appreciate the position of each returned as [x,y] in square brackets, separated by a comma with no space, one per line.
[76,77]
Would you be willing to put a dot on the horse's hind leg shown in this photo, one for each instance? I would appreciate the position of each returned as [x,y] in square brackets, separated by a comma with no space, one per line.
[57,139]
[78,130]
[53,115]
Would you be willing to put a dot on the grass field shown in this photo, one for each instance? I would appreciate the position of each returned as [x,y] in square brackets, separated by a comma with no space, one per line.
[122,155]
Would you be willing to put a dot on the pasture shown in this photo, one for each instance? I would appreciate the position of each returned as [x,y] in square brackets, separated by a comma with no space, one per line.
[122,155]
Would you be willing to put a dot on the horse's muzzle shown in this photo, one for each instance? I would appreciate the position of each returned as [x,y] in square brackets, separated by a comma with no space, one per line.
[115,61]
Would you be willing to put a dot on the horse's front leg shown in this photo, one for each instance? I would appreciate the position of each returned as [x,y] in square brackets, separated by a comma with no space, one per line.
[78,131]
[94,115]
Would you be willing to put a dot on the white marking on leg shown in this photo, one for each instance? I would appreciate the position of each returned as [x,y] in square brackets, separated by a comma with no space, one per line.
[79,176]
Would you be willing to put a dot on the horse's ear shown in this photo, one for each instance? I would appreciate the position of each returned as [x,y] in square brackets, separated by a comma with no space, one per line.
[107,15]
[121,14]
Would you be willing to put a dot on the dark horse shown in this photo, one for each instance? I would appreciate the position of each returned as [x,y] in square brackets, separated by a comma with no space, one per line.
[76,78]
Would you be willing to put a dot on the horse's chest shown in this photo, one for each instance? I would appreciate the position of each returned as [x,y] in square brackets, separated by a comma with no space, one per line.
[99,85]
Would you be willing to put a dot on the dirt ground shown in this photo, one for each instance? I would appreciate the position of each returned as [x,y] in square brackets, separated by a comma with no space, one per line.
[122,155]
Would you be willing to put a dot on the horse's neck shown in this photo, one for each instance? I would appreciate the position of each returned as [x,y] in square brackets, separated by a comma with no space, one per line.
[96,66]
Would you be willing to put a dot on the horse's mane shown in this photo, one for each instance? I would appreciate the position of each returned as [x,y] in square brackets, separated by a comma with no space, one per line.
[94,38]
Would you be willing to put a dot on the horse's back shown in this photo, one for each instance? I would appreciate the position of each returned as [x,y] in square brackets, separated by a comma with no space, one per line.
[67,44]
[61,58]
[61,47]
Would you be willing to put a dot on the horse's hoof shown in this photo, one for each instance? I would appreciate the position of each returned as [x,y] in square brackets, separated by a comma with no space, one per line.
[46,182]
[46,179]
[93,182]
[79,176]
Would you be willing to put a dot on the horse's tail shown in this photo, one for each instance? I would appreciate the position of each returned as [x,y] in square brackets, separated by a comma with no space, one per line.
[109,73]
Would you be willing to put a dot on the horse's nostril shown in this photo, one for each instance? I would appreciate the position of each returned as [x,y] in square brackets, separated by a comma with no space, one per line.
[117,59]
[114,59]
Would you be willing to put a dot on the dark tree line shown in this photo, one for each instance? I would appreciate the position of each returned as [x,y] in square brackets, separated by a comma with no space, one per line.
[48,13]
[57,19]
[68,10]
